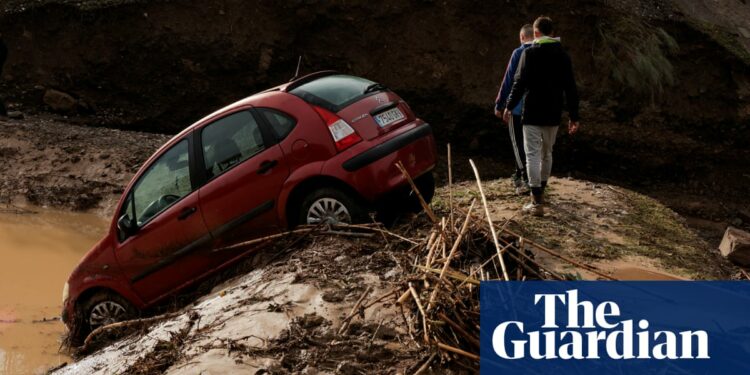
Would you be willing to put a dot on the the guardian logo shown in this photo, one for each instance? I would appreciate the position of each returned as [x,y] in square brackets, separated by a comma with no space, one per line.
[582,330]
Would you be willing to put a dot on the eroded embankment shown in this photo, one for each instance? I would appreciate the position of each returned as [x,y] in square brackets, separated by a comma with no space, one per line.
[286,315]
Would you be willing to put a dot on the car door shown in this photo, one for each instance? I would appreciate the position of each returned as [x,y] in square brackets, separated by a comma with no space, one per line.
[163,252]
[245,170]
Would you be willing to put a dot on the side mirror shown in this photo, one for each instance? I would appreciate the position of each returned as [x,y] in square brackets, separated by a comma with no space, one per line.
[126,226]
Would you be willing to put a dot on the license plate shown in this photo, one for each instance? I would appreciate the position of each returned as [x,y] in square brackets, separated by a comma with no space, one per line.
[389,117]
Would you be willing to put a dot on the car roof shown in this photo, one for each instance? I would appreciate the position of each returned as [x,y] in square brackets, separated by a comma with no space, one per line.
[242,103]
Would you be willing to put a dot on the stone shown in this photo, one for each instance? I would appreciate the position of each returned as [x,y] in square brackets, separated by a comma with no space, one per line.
[744,32]
[16,115]
[736,246]
[59,101]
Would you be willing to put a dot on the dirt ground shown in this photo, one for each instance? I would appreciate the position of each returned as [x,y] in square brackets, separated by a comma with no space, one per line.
[48,162]
[285,314]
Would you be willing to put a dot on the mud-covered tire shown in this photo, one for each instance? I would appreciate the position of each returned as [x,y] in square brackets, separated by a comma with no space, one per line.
[96,304]
[426,185]
[328,202]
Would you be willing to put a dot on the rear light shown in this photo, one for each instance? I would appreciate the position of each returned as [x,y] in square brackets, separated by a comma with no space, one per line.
[343,134]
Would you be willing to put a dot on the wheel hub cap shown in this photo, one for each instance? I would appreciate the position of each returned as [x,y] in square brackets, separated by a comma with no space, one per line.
[328,211]
[105,313]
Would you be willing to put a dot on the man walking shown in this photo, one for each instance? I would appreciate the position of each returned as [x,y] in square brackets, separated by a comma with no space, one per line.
[519,178]
[544,79]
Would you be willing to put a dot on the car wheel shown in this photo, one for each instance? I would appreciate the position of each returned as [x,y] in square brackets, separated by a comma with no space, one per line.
[330,206]
[105,308]
[426,186]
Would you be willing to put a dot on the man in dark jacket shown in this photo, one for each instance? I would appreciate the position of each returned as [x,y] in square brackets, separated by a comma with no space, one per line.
[3,57]
[519,179]
[545,81]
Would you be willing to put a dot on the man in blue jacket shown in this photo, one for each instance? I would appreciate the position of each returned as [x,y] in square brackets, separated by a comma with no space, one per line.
[515,128]
[545,82]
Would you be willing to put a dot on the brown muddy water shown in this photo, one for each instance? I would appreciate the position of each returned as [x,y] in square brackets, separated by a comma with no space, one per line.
[37,252]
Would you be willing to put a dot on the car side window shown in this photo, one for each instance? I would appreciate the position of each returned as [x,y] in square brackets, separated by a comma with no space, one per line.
[230,141]
[281,123]
[165,182]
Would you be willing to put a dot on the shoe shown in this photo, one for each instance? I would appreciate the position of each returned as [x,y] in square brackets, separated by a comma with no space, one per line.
[522,188]
[534,209]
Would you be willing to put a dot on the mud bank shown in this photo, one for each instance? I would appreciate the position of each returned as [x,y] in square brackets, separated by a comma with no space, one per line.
[52,163]
[285,315]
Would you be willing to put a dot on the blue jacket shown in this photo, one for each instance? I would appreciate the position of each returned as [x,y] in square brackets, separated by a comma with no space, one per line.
[510,73]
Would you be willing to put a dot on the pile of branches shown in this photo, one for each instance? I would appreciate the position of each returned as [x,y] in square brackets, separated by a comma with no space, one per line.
[461,250]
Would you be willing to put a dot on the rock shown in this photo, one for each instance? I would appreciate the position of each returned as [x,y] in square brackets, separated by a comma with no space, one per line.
[736,246]
[60,101]
[744,32]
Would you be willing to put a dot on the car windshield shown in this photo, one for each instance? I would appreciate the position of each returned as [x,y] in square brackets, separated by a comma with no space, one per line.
[335,91]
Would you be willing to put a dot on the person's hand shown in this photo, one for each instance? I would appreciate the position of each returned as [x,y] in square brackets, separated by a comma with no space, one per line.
[506,116]
[498,114]
[573,127]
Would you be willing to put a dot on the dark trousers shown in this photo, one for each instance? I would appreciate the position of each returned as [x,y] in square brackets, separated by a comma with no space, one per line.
[519,155]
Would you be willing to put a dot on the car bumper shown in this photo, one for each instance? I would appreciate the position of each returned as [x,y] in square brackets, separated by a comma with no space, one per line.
[370,167]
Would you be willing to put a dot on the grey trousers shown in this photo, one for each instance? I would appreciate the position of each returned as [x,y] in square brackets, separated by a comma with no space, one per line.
[538,142]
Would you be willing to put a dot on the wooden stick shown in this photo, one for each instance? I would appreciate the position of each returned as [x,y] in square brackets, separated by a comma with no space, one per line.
[744,273]
[414,188]
[401,300]
[458,276]
[447,263]
[489,220]
[264,239]
[457,351]
[123,324]
[355,308]
[472,339]
[421,310]
[375,229]
[450,188]
[367,306]
[426,364]
[560,256]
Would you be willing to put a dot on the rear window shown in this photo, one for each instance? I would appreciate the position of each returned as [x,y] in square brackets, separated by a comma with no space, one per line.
[336,91]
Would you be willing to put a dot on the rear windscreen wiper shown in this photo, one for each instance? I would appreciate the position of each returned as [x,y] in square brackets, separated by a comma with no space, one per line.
[375,87]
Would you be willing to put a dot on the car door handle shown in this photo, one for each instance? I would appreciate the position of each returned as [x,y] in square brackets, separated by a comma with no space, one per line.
[186,212]
[267,165]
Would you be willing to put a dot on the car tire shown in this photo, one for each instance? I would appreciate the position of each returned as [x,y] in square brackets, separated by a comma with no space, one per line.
[331,204]
[426,186]
[93,311]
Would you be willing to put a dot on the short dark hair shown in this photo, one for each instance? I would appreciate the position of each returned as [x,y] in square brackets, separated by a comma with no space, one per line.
[544,25]
[528,31]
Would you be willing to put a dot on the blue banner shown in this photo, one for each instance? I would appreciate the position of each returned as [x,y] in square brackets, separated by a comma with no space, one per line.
[615,327]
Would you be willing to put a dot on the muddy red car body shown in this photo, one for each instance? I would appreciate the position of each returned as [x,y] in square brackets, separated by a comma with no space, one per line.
[254,167]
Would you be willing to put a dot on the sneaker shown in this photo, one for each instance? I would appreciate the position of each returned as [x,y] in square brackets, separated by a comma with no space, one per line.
[534,209]
[522,188]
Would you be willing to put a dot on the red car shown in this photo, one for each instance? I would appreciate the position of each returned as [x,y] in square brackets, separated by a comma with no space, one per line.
[321,148]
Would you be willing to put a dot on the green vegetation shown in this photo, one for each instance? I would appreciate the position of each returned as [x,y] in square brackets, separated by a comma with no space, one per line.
[637,53]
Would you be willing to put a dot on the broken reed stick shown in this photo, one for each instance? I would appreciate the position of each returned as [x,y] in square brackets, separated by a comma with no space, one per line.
[367,306]
[489,220]
[450,188]
[124,324]
[426,364]
[375,229]
[457,351]
[744,273]
[355,309]
[452,253]
[414,188]
[458,276]
[266,238]
[469,337]
[560,256]
[401,300]
[421,310]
